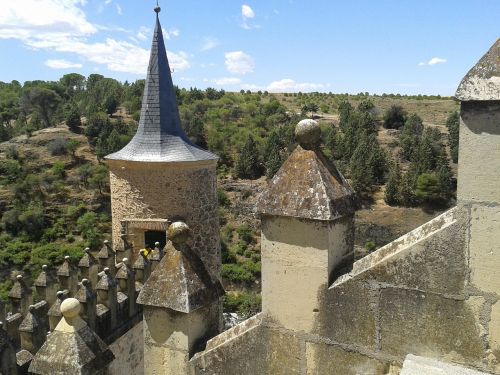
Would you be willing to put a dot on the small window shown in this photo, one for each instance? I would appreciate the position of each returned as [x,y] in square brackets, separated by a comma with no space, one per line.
[152,236]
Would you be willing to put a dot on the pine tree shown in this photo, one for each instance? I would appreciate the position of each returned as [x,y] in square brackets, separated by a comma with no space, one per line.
[273,154]
[407,190]
[248,165]
[391,195]
[444,178]
[73,120]
[453,125]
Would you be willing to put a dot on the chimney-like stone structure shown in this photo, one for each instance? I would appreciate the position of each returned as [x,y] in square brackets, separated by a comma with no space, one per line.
[126,284]
[45,286]
[89,267]
[478,192]
[107,257]
[180,303]
[307,214]
[67,274]
[160,173]
[20,296]
[88,300]
[106,296]
[72,348]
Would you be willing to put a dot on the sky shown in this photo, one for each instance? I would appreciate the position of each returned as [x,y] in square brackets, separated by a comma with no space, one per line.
[348,46]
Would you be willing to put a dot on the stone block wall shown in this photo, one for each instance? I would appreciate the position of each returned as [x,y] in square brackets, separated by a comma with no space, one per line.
[173,191]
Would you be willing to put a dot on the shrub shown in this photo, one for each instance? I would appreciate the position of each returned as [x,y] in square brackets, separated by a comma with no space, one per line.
[236,273]
[244,304]
[223,198]
[245,233]
[58,169]
[58,146]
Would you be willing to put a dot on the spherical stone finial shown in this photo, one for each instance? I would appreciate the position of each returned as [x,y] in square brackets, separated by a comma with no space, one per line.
[70,308]
[178,232]
[308,134]
[106,270]
[66,258]
[19,277]
[125,261]
[60,294]
[45,268]
[106,242]
[85,282]
[157,244]
[87,250]
[31,308]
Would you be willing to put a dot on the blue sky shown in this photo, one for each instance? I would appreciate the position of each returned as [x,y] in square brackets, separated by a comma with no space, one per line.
[392,46]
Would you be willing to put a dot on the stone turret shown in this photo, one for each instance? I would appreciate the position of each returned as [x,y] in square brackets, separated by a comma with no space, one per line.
[181,302]
[307,215]
[89,267]
[45,286]
[72,348]
[20,296]
[107,299]
[126,284]
[68,276]
[160,174]
[107,257]
[478,191]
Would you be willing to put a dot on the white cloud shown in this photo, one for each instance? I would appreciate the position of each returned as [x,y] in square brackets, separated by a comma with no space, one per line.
[209,43]
[62,26]
[247,11]
[247,14]
[289,85]
[433,61]
[143,33]
[119,9]
[172,33]
[239,62]
[227,81]
[23,19]
[62,64]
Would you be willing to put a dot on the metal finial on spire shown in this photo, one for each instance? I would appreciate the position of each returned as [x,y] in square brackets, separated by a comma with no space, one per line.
[157,8]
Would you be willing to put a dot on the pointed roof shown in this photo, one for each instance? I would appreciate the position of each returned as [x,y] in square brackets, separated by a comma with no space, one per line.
[72,348]
[308,186]
[482,82]
[160,137]
[180,282]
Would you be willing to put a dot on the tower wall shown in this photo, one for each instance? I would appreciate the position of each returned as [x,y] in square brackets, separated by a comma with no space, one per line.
[298,259]
[173,191]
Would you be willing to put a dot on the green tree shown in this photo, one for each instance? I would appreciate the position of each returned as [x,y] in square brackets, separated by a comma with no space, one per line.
[427,188]
[73,119]
[45,102]
[391,194]
[248,163]
[99,178]
[394,117]
[453,125]
[72,146]
[407,190]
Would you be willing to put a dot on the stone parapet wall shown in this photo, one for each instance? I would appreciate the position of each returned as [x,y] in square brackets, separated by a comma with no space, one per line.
[412,296]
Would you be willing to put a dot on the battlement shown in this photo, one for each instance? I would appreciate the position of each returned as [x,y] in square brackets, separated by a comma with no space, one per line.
[105,285]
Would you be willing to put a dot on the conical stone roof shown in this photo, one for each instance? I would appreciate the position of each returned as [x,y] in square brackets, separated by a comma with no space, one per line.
[160,137]
[482,82]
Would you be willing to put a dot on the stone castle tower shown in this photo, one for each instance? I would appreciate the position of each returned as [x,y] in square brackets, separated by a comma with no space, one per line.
[161,176]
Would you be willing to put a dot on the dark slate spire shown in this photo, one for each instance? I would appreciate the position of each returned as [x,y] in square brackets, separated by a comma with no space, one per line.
[160,137]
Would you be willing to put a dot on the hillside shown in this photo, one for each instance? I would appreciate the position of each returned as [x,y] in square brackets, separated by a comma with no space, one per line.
[54,191]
